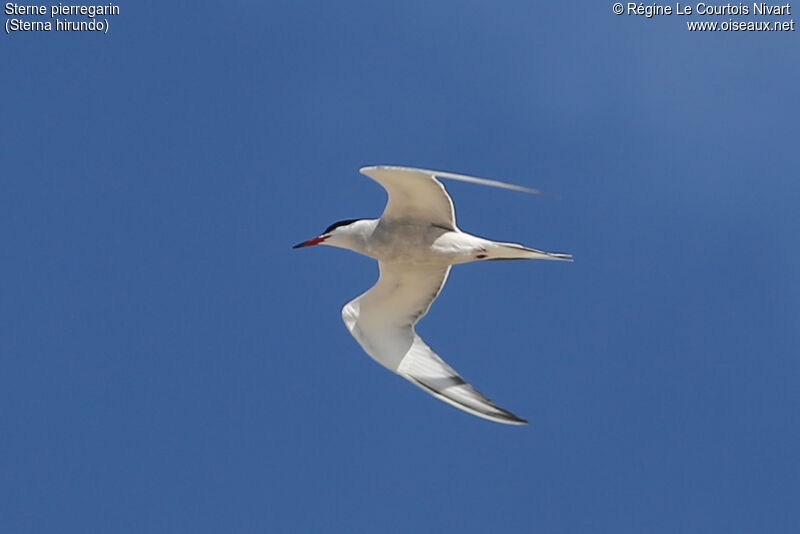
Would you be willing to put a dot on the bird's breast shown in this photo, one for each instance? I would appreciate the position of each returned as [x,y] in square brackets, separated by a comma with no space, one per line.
[416,243]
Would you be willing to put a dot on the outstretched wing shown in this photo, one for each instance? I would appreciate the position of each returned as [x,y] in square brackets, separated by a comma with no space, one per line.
[382,321]
[417,195]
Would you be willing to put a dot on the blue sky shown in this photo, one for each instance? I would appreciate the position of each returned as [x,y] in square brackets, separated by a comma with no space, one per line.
[169,364]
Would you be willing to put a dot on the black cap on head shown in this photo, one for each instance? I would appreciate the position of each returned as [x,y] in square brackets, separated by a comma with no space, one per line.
[337,224]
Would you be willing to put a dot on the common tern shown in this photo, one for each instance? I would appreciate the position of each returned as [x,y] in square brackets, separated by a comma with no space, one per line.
[416,241]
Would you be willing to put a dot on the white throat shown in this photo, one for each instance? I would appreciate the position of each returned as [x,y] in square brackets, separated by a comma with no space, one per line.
[355,236]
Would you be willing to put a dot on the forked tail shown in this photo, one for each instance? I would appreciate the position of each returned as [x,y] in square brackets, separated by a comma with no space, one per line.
[513,251]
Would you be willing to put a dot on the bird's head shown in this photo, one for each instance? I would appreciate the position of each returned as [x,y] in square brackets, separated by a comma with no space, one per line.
[339,234]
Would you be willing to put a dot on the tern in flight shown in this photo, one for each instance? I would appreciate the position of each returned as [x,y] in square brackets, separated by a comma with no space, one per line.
[416,241]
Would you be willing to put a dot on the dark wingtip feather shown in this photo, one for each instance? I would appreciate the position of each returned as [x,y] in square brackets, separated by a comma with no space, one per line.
[498,416]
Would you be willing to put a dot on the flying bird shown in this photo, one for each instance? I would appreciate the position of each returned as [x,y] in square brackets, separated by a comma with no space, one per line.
[416,241]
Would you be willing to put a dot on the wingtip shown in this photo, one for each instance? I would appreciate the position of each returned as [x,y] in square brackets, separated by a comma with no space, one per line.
[511,420]
[497,415]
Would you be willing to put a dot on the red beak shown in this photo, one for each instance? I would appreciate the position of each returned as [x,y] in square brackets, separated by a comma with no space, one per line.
[311,242]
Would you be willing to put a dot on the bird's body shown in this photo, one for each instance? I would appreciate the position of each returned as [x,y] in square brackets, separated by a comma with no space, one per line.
[419,243]
[415,242]
[412,242]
